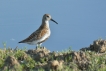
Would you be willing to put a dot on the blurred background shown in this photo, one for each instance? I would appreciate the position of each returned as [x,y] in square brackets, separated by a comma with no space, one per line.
[80,22]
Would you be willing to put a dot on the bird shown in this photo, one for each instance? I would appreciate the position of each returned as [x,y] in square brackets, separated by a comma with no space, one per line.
[41,34]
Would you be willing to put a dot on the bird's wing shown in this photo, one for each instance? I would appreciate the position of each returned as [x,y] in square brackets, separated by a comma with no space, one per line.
[35,35]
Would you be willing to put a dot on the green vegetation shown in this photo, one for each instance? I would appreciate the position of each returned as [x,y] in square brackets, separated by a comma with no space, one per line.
[41,59]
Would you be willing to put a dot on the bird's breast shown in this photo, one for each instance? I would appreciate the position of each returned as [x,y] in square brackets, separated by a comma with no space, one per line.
[49,32]
[45,36]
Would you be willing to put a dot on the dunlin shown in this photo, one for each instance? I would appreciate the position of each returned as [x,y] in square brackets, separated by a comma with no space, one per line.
[41,34]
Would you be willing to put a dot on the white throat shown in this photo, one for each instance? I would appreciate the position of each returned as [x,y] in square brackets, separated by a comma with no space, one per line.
[47,23]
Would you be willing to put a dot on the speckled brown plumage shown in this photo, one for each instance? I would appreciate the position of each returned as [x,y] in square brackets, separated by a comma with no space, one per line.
[37,34]
[42,33]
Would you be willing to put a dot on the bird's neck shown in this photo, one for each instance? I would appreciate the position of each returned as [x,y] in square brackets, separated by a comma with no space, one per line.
[45,23]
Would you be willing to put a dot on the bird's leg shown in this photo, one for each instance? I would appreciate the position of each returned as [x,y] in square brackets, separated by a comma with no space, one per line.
[38,45]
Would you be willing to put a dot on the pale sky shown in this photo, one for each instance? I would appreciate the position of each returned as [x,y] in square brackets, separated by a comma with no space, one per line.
[80,22]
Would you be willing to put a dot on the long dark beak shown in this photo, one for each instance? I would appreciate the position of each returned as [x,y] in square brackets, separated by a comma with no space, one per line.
[54,21]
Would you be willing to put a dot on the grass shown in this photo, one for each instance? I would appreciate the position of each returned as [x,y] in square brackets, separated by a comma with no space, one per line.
[21,60]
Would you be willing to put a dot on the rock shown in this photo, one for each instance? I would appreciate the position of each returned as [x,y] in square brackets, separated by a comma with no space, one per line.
[80,59]
[97,46]
[38,53]
[11,64]
[55,65]
[78,56]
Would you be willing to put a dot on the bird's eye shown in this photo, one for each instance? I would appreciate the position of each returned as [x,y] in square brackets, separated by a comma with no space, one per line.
[47,16]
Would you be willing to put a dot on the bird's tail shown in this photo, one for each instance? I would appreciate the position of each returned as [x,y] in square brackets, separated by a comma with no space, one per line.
[21,42]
